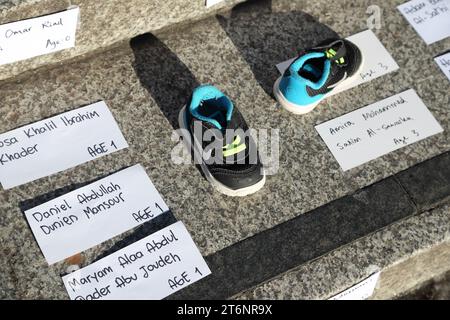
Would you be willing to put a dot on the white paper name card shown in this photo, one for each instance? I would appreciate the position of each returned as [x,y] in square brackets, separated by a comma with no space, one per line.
[430,18]
[444,63]
[150,269]
[361,291]
[95,213]
[58,143]
[370,132]
[377,60]
[37,36]
[210,3]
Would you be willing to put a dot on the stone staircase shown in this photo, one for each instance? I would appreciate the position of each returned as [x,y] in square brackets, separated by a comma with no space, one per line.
[314,230]
[104,23]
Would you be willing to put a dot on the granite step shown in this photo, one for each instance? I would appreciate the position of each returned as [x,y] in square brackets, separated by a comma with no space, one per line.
[104,23]
[321,253]
[146,80]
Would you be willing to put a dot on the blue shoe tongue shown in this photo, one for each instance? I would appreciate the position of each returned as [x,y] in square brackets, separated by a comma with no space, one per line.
[215,98]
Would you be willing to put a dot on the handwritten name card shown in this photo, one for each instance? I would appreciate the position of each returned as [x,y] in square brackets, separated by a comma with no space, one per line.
[150,269]
[377,60]
[95,213]
[361,291]
[58,143]
[37,36]
[370,132]
[444,63]
[430,18]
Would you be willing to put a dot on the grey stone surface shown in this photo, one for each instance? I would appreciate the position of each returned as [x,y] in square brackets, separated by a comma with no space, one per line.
[7,4]
[343,268]
[7,275]
[428,183]
[145,84]
[414,272]
[297,241]
[103,23]
[435,289]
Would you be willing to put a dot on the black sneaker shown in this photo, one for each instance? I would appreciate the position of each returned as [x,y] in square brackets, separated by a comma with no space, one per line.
[219,137]
[315,73]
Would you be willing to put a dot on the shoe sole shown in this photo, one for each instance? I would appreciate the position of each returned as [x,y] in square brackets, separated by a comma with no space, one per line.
[198,155]
[299,109]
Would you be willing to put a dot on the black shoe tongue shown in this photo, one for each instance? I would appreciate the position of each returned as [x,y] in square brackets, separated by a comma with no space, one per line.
[234,128]
[234,123]
[337,45]
[209,125]
[229,136]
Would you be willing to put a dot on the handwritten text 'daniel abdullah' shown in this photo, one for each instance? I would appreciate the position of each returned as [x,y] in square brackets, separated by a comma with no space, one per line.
[95,213]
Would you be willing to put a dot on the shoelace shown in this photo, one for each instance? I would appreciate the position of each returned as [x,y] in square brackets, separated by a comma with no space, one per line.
[235,147]
[331,55]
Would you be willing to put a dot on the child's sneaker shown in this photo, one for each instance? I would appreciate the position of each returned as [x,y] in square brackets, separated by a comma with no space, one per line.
[315,73]
[233,165]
